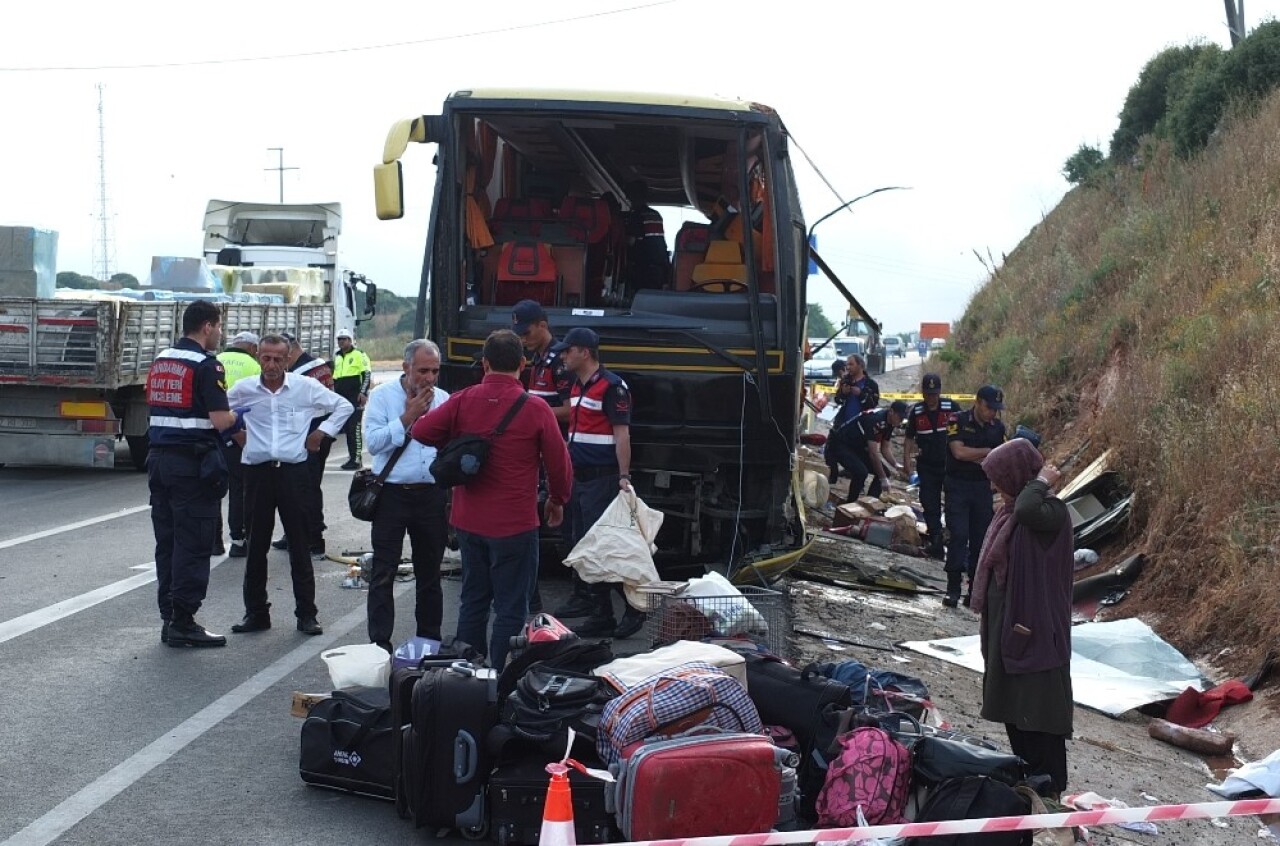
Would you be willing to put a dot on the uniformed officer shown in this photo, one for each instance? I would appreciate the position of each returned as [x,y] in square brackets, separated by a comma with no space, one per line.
[970,436]
[647,259]
[600,449]
[851,446]
[238,360]
[305,364]
[352,374]
[925,448]
[186,472]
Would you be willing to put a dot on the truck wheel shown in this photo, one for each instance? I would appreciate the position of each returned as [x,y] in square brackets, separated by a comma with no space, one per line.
[139,446]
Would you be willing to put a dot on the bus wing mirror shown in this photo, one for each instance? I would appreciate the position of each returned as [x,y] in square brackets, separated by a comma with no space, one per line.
[370,297]
[388,191]
[428,129]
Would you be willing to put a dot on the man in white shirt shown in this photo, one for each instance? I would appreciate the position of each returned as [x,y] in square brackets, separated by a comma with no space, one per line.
[275,446]
[411,502]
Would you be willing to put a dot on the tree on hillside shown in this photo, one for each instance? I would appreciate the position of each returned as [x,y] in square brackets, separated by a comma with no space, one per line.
[125,280]
[1197,100]
[1083,165]
[1147,102]
[819,323]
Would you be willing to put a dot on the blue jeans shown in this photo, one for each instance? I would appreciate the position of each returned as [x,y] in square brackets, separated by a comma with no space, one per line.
[498,573]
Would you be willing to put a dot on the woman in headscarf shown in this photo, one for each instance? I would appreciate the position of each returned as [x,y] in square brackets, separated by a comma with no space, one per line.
[1022,589]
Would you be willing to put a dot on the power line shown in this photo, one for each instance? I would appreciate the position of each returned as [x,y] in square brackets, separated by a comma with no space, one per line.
[339,50]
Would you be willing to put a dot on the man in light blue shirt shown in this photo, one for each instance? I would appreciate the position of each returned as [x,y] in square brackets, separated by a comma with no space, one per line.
[411,502]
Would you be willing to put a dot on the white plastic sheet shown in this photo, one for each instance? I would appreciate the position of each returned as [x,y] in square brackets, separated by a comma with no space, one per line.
[1115,666]
[619,547]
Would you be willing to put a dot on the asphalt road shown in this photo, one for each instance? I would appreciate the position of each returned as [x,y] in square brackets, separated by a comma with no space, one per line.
[110,737]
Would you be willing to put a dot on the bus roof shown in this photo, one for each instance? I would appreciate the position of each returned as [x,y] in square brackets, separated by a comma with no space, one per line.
[626,98]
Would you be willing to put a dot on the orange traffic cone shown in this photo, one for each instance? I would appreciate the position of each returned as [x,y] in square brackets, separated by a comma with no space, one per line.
[557,813]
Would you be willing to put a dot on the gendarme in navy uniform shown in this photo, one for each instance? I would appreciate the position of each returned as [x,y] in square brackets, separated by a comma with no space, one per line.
[186,471]
[971,435]
[927,423]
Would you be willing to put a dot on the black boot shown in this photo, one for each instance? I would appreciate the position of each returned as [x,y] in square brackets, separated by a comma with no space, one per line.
[581,603]
[601,623]
[185,631]
[632,621]
[952,599]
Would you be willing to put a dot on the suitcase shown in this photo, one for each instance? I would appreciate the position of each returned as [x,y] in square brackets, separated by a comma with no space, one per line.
[446,760]
[349,743]
[518,791]
[701,786]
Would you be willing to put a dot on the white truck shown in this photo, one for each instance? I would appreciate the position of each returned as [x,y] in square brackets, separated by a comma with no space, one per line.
[72,368]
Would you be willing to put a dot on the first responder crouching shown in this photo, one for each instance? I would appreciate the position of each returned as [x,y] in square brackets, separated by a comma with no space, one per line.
[186,471]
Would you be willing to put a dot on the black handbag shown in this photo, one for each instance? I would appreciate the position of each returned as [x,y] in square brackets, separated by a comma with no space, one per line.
[462,459]
[366,488]
[935,759]
[349,743]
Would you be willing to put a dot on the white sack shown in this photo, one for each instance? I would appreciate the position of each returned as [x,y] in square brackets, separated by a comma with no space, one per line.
[620,547]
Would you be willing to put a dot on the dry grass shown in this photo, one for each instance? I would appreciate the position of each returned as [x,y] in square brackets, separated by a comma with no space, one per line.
[1141,316]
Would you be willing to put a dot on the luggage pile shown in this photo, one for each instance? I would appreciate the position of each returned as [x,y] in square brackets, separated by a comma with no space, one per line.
[457,745]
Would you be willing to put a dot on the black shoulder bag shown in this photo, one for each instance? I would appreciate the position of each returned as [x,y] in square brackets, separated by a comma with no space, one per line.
[461,460]
[366,488]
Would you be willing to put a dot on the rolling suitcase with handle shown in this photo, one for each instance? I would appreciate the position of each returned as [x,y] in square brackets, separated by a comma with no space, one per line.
[446,761]
[698,786]
[518,792]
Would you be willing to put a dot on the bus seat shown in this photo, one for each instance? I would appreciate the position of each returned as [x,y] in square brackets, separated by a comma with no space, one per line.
[526,270]
[516,217]
[586,219]
[723,264]
[691,249]
[571,263]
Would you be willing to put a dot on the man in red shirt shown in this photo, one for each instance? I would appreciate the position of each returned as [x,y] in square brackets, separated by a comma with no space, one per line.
[496,514]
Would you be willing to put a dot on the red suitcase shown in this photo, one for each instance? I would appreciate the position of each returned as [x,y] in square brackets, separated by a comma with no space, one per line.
[701,786]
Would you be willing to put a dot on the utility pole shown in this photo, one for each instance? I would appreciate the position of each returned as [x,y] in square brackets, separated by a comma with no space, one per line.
[1235,20]
[279,151]
[102,265]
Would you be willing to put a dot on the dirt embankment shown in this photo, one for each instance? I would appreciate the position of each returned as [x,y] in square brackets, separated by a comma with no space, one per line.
[1114,758]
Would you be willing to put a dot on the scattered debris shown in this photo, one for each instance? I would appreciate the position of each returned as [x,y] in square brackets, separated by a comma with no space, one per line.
[834,638]
[1200,741]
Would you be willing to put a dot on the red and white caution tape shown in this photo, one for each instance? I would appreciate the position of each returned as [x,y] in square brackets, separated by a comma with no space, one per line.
[1109,816]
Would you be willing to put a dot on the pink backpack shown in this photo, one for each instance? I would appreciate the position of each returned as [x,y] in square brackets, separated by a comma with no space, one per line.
[873,771]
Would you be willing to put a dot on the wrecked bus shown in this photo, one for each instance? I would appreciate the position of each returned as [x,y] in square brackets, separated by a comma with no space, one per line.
[537,195]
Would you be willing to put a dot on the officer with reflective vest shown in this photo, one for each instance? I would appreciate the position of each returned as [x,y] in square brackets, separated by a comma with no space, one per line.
[239,360]
[352,374]
[925,446]
[545,376]
[305,364]
[970,436]
[186,472]
[600,449]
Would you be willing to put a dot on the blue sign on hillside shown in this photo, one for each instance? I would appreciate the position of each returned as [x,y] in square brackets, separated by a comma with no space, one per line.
[813,245]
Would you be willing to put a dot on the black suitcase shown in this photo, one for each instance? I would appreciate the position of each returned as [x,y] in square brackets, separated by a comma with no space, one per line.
[349,742]
[446,760]
[518,790]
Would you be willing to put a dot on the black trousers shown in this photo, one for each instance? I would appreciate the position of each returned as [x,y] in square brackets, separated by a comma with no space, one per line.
[315,495]
[1044,753]
[269,488]
[419,513]
[352,431]
[184,515]
[235,491]
[592,495]
[931,501]
[854,455]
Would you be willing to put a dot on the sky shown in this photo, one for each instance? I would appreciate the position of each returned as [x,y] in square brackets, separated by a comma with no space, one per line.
[972,106]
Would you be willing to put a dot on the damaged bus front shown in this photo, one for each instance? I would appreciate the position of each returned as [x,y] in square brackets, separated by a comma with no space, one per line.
[533,195]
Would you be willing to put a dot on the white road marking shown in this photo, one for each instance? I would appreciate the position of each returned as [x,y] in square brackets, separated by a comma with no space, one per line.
[19,626]
[79,524]
[76,807]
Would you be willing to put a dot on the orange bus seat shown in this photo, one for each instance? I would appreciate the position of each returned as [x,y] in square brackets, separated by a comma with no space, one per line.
[516,217]
[526,270]
[691,249]
[587,219]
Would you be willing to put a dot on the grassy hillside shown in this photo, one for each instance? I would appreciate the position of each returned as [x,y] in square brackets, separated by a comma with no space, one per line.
[1141,315]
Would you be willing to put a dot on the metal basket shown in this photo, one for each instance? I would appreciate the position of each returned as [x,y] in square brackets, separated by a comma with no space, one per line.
[758,614]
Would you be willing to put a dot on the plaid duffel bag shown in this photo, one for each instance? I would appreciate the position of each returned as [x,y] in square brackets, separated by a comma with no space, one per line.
[675,701]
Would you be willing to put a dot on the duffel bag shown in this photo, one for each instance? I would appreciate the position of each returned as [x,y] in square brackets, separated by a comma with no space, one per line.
[547,702]
[936,759]
[673,701]
[973,798]
[349,743]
